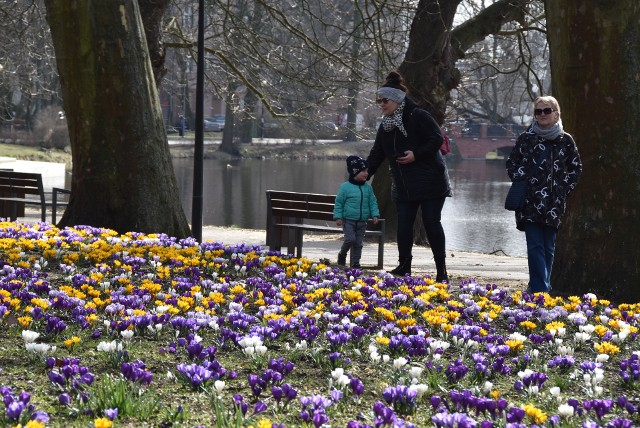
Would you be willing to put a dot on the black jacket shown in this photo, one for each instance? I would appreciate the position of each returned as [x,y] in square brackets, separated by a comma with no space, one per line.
[550,182]
[427,177]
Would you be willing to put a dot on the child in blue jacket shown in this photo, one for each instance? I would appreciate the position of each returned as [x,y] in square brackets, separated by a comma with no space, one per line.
[355,204]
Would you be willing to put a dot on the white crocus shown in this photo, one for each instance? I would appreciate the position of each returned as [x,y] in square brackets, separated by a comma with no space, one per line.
[337,372]
[582,336]
[555,392]
[399,362]
[587,328]
[30,336]
[219,385]
[343,381]
[420,389]
[161,309]
[112,346]
[154,328]
[126,334]
[415,372]
[40,348]
[565,410]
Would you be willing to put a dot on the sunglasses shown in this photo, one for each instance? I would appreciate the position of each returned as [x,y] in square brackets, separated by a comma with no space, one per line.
[382,100]
[547,110]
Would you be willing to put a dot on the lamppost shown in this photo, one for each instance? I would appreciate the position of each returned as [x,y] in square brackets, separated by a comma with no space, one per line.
[196,207]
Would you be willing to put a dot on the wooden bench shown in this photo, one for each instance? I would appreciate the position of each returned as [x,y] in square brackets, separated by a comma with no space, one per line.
[18,189]
[290,214]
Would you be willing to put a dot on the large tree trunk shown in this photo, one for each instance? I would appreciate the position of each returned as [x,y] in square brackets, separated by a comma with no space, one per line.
[595,68]
[122,172]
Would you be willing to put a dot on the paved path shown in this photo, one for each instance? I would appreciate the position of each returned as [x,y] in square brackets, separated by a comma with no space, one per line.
[510,271]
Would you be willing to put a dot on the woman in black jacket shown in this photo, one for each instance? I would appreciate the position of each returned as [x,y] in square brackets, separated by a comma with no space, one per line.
[410,139]
[549,158]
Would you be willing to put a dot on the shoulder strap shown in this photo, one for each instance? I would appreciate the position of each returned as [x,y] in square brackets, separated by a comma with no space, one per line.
[539,159]
[543,154]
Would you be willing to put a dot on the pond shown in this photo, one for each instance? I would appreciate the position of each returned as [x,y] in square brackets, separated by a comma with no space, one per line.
[474,219]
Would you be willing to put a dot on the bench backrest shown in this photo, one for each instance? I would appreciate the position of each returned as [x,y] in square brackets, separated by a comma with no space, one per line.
[21,183]
[311,206]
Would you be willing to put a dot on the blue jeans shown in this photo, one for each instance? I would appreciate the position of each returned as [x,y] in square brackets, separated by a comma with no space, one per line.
[353,239]
[541,245]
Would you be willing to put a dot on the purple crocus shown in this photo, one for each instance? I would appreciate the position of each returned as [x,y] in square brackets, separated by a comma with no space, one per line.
[15,409]
[195,374]
[136,372]
[401,398]
[111,414]
[64,399]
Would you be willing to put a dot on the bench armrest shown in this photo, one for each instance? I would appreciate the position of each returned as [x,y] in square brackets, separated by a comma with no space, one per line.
[54,201]
[60,190]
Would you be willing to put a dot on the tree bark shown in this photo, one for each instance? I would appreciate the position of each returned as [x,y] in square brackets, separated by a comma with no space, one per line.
[595,68]
[152,12]
[122,175]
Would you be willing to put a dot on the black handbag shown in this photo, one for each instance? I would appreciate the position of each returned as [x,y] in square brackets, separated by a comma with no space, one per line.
[518,191]
[517,195]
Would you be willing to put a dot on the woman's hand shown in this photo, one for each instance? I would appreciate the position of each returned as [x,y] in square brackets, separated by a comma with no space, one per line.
[407,158]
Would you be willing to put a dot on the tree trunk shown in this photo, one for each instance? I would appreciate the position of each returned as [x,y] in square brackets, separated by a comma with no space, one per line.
[595,68]
[122,172]
[152,12]
[382,186]
[227,145]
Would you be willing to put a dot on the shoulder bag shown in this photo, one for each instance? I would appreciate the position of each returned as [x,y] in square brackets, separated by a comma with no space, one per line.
[518,191]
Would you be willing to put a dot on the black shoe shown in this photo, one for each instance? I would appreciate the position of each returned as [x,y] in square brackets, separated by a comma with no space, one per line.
[342,259]
[356,265]
[404,268]
[443,279]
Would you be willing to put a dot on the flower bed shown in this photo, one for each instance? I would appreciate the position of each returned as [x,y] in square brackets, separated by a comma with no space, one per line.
[101,329]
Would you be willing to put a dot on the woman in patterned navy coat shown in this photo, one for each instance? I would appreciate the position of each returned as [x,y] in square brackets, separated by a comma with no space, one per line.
[550,159]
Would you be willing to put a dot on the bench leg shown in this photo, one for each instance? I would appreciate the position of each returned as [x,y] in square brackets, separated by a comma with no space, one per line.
[380,252]
[13,212]
[294,242]
[292,238]
[54,207]
[299,243]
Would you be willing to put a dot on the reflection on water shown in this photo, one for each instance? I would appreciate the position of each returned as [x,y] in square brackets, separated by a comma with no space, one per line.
[474,219]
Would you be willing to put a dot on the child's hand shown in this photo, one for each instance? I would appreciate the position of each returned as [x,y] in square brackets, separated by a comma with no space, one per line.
[339,222]
[375,220]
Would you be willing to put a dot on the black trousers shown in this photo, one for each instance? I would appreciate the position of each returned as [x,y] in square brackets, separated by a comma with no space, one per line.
[431,214]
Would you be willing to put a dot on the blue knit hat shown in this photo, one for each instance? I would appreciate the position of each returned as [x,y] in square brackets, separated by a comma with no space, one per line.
[355,164]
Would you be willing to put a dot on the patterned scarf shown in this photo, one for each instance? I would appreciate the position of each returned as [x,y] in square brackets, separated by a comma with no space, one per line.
[395,120]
